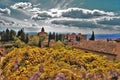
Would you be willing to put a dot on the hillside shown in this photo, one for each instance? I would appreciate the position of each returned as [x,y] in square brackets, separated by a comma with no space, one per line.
[66,63]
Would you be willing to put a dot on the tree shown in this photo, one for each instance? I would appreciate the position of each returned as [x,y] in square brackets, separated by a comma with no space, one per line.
[92,36]
[41,39]
[49,38]
[77,38]
[58,45]
[7,34]
[40,43]
[27,38]
[53,36]
[20,32]
[60,37]
[57,37]
[12,34]
[23,37]
[3,36]
[34,40]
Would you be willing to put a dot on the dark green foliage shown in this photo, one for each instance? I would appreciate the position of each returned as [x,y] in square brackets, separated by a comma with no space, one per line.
[8,35]
[40,41]
[53,36]
[23,37]
[77,38]
[57,37]
[39,44]
[61,37]
[12,35]
[20,32]
[3,36]
[50,36]
[92,36]
[27,38]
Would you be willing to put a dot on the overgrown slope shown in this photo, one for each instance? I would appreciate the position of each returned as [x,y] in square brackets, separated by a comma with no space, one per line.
[66,63]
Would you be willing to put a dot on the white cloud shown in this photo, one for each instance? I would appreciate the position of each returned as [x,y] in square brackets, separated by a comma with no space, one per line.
[2,22]
[17,24]
[37,5]
[63,20]
[84,13]
[35,10]
[70,13]
[5,11]
[21,5]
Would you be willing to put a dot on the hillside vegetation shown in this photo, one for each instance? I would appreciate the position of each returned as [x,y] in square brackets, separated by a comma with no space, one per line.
[65,63]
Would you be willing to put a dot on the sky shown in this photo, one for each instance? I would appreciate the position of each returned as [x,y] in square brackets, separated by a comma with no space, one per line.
[80,16]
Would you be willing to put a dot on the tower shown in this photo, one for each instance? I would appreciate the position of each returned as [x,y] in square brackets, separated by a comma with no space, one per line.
[42,30]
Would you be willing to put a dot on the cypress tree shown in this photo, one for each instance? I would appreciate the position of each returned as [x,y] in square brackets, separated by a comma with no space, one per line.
[77,38]
[27,39]
[92,36]
[3,36]
[7,34]
[57,37]
[40,43]
[49,38]
[53,36]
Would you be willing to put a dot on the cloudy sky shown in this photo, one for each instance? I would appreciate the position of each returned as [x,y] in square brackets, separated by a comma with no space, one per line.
[101,16]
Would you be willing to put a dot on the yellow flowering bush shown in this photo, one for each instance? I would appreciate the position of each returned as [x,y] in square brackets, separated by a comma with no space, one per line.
[65,63]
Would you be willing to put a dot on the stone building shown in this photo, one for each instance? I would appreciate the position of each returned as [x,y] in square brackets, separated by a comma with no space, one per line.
[74,36]
[82,37]
[44,43]
[43,37]
[43,33]
[75,39]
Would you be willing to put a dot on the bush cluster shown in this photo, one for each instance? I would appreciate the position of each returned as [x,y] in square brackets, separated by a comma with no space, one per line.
[65,63]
